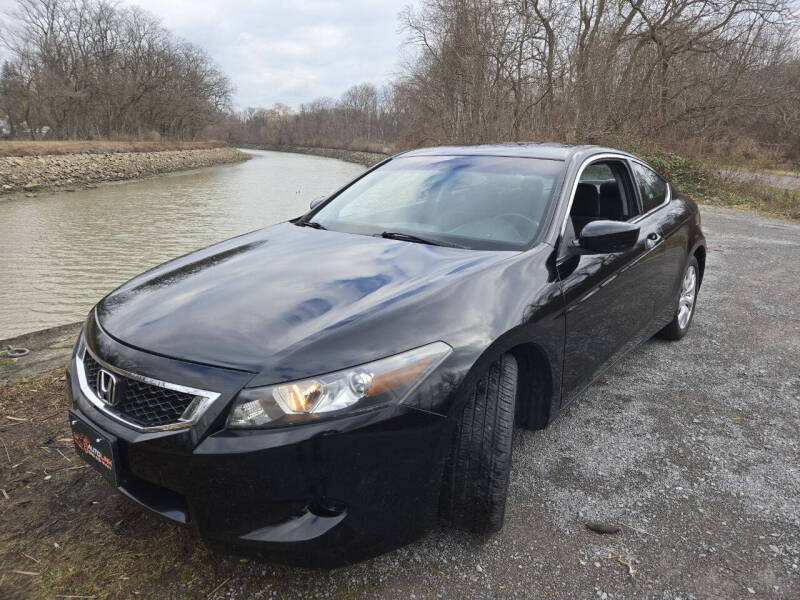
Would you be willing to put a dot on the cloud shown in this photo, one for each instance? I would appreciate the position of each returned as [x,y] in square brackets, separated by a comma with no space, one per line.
[290,52]
[303,42]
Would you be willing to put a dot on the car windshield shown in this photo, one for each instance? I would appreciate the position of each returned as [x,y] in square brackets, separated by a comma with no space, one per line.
[478,202]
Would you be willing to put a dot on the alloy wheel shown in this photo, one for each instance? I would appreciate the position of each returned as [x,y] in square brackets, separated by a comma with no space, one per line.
[686,302]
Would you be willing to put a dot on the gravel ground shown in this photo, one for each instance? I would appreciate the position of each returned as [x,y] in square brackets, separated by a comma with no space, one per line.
[690,447]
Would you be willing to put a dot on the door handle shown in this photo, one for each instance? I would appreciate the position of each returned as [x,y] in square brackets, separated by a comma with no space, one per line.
[652,239]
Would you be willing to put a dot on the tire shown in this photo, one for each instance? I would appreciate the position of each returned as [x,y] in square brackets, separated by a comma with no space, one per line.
[477,472]
[680,323]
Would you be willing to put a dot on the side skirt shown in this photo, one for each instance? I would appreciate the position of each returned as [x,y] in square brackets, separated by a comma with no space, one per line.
[619,355]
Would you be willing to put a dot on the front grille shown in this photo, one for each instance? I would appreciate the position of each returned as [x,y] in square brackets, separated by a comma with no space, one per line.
[141,403]
[91,368]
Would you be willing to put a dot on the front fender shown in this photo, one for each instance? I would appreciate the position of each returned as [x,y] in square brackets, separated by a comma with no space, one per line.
[533,330]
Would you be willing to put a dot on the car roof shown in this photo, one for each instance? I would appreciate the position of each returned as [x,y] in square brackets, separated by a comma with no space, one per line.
[544,150]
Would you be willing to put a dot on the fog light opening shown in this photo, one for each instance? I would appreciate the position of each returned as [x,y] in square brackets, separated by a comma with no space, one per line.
[326,507]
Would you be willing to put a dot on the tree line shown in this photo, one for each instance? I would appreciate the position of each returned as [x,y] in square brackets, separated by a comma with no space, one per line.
[691,75]
[364,117]
[687,74]
[87,69]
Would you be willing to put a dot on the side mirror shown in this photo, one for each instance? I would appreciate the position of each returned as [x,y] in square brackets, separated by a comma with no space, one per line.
[316,202]
[604,237]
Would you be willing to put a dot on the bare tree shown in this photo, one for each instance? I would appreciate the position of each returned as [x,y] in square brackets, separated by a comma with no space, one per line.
[90,69]
[591,69]
[678,72]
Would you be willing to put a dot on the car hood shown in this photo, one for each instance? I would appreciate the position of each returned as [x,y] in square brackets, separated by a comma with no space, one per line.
[258,299]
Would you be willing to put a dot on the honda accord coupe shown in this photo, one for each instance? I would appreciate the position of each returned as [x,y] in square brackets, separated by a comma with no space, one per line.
[323,390]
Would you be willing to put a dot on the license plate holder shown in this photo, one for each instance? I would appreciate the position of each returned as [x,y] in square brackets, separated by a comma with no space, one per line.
[96,448]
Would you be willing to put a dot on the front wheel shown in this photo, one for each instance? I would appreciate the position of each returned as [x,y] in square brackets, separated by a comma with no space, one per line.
[687,298]
[478,470]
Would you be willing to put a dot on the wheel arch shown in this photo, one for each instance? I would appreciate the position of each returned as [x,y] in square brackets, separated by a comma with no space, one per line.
[700,254]
[539,378]
[534,386]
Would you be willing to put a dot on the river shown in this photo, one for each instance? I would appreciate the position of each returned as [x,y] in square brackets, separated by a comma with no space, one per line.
[61,253]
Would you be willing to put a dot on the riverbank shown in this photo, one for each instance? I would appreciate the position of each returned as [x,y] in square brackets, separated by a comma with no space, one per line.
[67,172]
[366,159]
[42,147]
[43,350]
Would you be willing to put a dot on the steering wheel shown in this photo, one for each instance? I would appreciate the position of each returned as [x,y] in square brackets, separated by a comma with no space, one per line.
[525,226]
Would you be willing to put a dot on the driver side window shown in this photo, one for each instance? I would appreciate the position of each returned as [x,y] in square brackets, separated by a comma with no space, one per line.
[604,192]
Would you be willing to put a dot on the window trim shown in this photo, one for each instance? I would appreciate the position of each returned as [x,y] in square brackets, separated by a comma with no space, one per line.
[631,183]
[587,162]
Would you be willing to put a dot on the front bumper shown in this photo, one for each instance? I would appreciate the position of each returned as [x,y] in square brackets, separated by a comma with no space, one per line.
[323,494]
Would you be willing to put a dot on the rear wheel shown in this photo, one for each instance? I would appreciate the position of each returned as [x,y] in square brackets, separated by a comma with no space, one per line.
[687,298]
[477,472]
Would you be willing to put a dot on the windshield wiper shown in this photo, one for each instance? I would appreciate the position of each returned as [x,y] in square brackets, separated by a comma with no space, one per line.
[312,224]
[408,237]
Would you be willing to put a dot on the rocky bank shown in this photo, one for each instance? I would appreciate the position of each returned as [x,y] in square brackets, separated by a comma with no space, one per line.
[28,174]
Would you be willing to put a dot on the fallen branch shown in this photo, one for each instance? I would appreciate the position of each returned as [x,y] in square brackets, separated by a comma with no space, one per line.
[219,586]
[8,456]
[64,455]
[626,563]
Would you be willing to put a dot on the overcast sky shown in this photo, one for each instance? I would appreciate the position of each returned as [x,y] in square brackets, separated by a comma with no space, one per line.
[289,51]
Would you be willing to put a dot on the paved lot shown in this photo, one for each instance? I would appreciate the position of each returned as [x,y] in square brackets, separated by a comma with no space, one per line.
[692,448]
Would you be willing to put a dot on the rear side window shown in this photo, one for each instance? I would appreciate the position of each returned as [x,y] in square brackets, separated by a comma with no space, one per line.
[652,188]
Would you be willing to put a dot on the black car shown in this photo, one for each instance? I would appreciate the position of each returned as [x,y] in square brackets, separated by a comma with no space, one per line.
[325,389]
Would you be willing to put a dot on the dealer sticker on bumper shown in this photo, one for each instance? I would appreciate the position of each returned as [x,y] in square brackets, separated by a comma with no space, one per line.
[98,449]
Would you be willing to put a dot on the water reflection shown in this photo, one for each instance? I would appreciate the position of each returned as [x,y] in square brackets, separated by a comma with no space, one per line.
[61,253]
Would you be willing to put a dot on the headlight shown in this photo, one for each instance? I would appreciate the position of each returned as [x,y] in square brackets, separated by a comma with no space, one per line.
[373,385]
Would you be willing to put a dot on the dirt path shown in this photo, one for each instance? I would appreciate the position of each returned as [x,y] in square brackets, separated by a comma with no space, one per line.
[692,448]
[784,182]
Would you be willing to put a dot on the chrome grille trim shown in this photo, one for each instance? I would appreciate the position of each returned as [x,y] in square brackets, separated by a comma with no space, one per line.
[192,413]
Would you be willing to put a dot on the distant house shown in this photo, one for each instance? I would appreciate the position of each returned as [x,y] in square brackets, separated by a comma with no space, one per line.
[22,129]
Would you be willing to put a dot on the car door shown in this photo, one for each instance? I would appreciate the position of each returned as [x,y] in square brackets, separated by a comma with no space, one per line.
[654,198]
[608,298]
